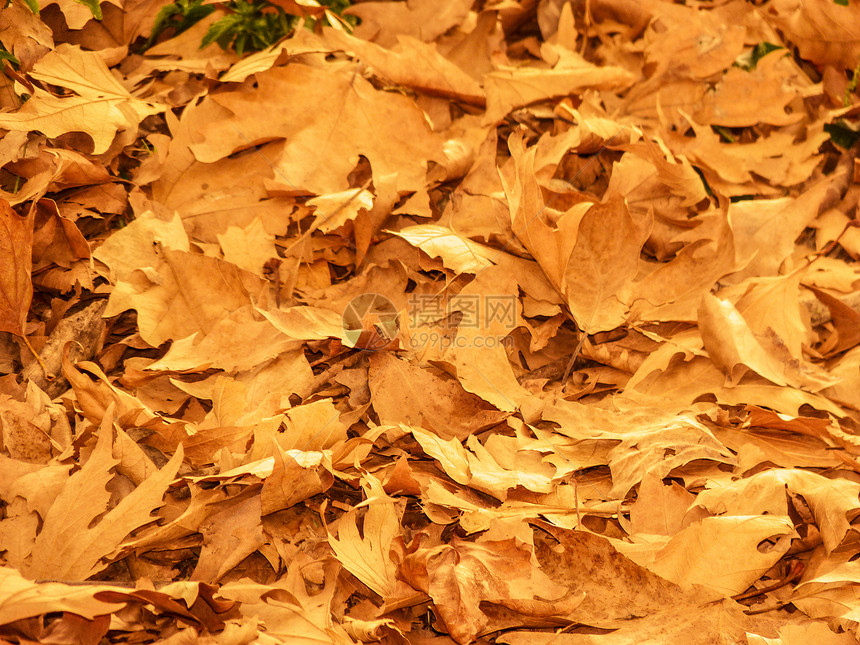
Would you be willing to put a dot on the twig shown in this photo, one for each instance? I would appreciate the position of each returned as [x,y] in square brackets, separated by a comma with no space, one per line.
[573,358]
[794,572]
[48,375]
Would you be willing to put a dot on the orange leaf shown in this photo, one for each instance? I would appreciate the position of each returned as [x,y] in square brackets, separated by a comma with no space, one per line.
[16,289]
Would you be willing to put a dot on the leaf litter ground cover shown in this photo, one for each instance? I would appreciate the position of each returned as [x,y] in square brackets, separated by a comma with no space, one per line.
[504,322]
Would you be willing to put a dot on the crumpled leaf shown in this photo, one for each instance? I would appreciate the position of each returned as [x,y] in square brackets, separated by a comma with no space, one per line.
[460,576]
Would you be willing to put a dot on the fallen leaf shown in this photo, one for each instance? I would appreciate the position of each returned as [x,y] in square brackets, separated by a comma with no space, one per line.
[16,291]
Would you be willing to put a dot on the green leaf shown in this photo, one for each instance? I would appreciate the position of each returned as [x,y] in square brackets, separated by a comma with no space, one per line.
[725,133]
[251,26]
[842,134]
[219,30]
[749,60]
[4,55]
[93,6]
[178,16]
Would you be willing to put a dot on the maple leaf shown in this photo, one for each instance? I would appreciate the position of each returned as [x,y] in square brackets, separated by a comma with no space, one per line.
[368,558]
[70,545]
[296,103]
[630,386]
[824,31]
[100,107]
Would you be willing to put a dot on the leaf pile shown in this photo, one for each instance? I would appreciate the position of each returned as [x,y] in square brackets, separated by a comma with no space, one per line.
[507,321]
